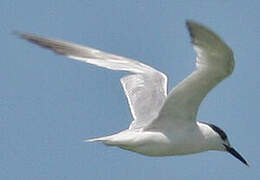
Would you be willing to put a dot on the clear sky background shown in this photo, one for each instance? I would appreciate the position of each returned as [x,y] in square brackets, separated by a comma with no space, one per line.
[49,104]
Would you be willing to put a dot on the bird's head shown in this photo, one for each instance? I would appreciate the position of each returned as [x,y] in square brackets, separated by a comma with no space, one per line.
[223,143]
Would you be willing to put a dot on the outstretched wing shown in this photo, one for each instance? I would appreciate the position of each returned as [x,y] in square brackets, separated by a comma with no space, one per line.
[146,89]
[214,63]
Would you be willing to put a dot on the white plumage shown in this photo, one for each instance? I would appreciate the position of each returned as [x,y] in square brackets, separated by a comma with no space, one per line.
[163,123]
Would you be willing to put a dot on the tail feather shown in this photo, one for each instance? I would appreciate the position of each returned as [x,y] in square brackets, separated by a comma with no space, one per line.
[119,139]
[99,139]
[105,140]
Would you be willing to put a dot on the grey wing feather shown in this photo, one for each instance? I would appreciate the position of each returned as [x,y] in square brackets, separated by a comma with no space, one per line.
[214,63]
[146,89]
[146,94]
[88,55]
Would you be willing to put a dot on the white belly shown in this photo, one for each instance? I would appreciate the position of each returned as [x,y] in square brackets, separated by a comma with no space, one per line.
[160,144]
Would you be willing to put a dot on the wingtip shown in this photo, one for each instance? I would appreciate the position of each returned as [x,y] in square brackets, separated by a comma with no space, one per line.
[21,34]
[195,28]
[191,21]
[189,24]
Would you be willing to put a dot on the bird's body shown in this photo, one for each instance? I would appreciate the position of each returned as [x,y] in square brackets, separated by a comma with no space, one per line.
[193,138]
[164,124]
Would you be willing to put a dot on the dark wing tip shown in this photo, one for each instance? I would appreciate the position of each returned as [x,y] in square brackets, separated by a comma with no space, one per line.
[28,37]
[193,28]
[189,25]
[192,24]
[55,45]
[199,33]
[22,35]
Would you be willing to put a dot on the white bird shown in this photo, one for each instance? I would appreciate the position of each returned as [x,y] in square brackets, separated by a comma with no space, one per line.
[164,124]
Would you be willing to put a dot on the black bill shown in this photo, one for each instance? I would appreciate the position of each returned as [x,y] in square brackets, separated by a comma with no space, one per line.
[236,154]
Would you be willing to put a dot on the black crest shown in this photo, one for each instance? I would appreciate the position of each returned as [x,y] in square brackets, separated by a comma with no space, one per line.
[221,133]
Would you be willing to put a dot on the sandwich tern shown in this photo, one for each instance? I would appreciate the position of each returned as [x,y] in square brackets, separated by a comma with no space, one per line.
[164,124]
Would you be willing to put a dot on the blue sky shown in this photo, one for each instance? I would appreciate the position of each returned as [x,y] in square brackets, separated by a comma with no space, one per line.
[49,104]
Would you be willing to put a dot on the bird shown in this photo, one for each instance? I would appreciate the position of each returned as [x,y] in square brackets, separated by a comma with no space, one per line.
[164,123]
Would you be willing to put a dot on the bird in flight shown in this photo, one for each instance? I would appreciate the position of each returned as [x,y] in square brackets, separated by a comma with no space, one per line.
[164,124]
